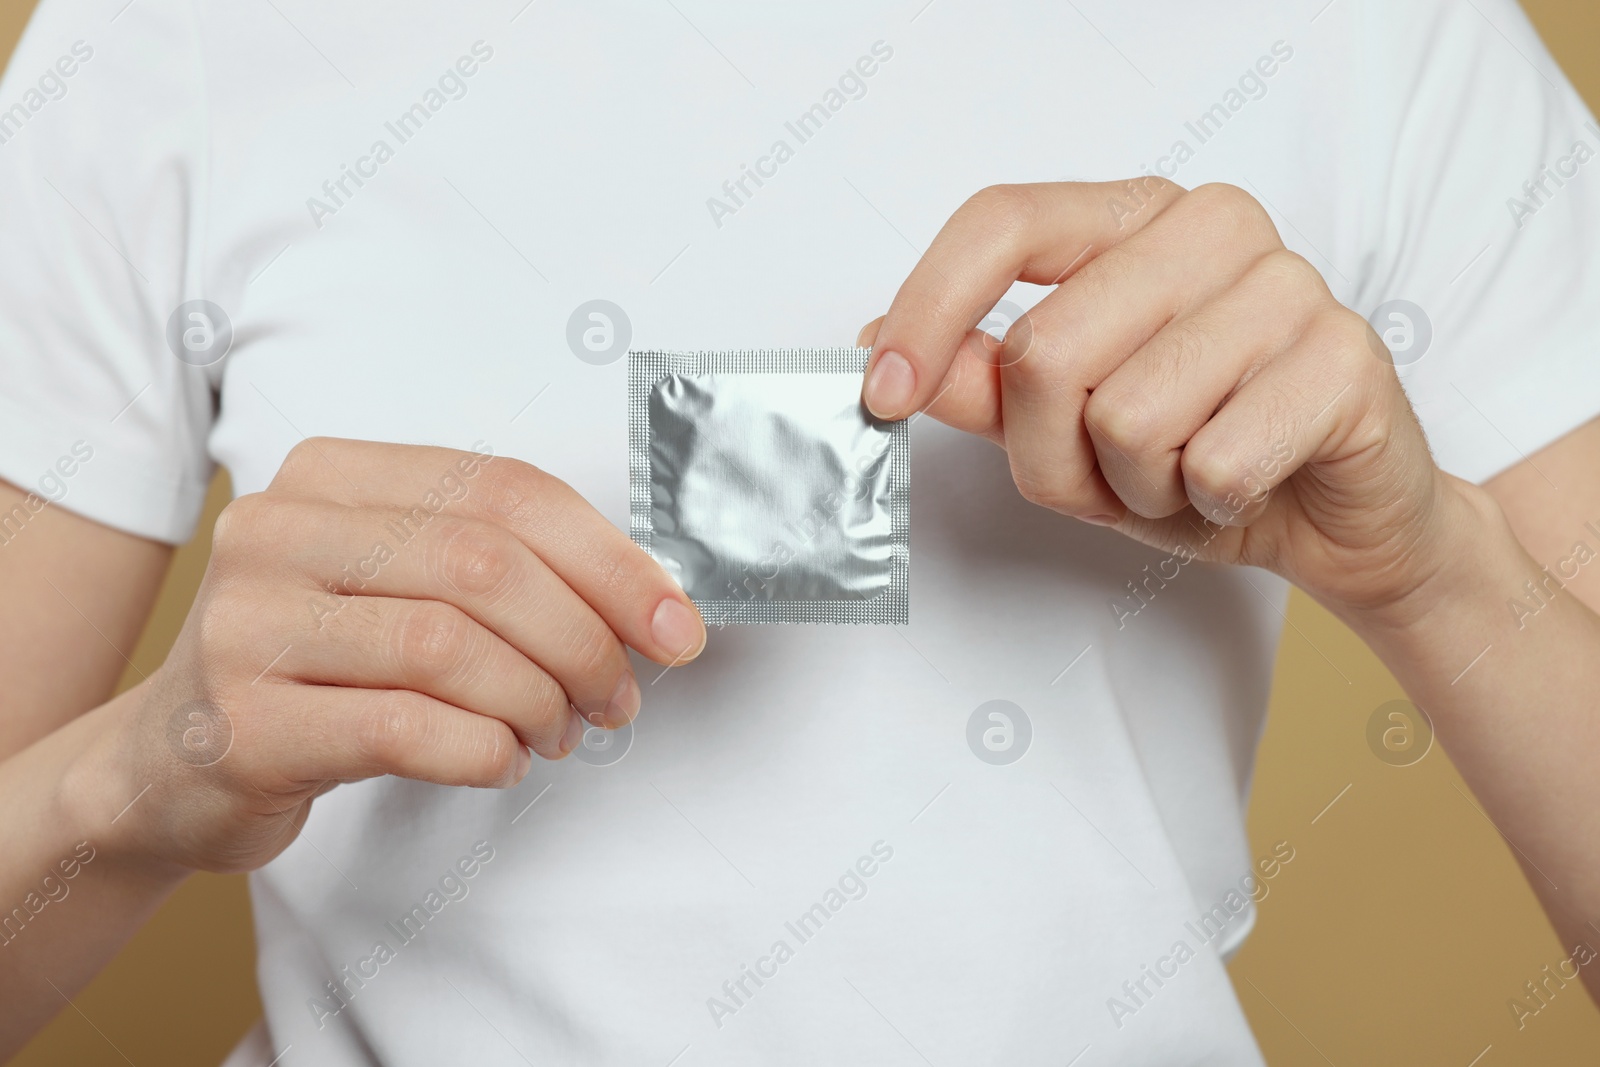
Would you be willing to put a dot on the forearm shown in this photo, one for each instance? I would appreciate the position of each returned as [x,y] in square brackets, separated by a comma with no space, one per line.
[70,894]
[1511,695]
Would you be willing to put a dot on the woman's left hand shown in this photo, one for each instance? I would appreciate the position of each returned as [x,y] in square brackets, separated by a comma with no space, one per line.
[1186,367]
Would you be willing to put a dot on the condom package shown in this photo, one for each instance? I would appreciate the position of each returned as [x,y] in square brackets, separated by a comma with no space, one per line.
[764,486]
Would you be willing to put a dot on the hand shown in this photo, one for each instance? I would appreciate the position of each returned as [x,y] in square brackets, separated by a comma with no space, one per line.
[1189,381]
[385,609]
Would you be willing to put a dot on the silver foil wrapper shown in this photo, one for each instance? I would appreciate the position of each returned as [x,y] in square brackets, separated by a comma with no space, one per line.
[764,486]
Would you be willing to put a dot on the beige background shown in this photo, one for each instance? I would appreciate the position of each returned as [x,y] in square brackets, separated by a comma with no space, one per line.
[1396,936]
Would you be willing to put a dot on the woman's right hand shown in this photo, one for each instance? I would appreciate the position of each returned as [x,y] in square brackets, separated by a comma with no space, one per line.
[384,609]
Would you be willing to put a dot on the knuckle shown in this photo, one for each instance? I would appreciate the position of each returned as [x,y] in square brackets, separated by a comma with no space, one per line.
[1126,419]
[1230,205]
[1042,492]
[216,627]
[226,530]
[1009,209]
[240,520]
[1097,284]
[1348,329]
[431,640]
[390,733]
[1050,487]
[257,526]
[499,755]
[1286,274]
[1204,468]
[595,651]
[1214,474]
[1040,373]
[550,706]
[516,491]
[548,720]
[475,559]
[303,459]
[1014,347]
[295,464]
[1145,194]
[1034,493]
[1348,345]
[1154,186]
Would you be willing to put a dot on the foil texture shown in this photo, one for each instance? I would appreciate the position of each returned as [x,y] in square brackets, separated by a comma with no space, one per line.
[766,489]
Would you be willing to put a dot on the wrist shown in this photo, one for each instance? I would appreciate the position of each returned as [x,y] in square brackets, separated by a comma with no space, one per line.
[101,792]
[1466,566]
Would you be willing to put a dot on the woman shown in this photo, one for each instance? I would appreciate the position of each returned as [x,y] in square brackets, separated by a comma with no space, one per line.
[342,252]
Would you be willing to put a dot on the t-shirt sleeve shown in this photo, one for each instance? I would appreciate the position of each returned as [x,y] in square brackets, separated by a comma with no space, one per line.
[102,193]
[1482,218]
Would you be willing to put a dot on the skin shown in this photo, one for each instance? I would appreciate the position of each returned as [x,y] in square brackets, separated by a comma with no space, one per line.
[1195,385]
[497,626]
[1186,366]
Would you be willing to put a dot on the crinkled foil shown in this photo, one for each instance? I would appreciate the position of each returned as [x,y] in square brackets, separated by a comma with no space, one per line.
[764,486]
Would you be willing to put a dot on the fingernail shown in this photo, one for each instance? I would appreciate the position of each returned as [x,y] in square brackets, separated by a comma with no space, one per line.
[623,706]
[1100,520]
[524,761]
[678,630]
[575,730]
[890,385]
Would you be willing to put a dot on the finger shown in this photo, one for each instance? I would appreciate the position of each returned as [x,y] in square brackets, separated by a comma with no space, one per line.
[1140,417]
[969,396]
[869,332]
[632,592]
[315,734]
[1033,233]
[1089,326]
[437,650]
[1319,403]
[478,568]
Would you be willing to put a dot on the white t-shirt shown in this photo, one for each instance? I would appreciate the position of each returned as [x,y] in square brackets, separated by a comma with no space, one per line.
[801,859]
